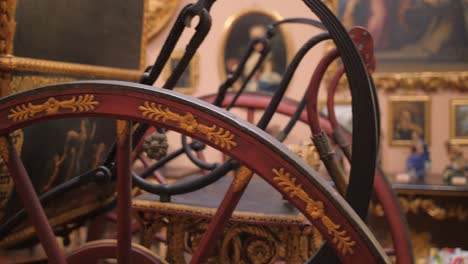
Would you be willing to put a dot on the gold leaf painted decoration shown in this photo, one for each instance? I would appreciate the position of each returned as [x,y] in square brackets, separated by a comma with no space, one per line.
[219,136]
[315,209]
[83,103]
[241,179]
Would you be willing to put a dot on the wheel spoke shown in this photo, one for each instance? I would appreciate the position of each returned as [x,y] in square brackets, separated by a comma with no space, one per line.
[30,200]
[124,221]
[223,214]
[250,115]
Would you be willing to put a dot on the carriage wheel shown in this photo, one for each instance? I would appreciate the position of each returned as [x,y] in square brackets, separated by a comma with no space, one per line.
[382,188]
[303,187]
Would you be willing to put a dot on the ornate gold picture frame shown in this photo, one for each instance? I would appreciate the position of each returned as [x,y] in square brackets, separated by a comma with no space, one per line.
[239,30]
[423,76]
[188,82]
[459,121]
[409,119]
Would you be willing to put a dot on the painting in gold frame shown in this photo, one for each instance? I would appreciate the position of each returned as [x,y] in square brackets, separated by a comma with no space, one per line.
[188,81]
[421,35]
[239,30]
[409,119]
[459,121]
[451,77]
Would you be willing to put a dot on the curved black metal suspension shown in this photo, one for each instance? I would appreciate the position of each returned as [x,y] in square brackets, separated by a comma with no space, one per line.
[188,185]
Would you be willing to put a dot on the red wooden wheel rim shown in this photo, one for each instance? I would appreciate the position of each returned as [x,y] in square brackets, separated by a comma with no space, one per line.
[303,187]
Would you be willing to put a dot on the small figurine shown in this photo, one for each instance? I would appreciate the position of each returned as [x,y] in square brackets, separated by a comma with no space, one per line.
[456,172]
[418,162]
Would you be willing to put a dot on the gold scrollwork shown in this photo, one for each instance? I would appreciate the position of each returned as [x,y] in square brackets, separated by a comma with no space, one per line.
[219,136]
[7,25]
[252,242]
[52,106]
[160,12]
[315,210]
[20,64]
[426,81]
[435,210]
[262,245]
[20,83]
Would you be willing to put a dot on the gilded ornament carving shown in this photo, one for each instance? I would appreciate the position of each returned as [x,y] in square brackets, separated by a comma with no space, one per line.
[19,64]
[160,12]
[20,83]
[219,136]
[261,247]
[7,25]
[426,81]
[252,242]
[84,103]
[241,179]
[417,81]
[315,209]
[176,233]
[437,211]
[181,209]
[308,152]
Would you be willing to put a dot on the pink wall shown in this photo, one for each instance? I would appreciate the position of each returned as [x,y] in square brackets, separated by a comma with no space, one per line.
[394,158]
[210,50]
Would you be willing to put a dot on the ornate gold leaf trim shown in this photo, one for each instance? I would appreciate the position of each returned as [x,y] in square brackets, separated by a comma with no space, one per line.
[417,81]
[437,210]
[23,112]
[19,64]
[238,216]
[241,179]
[425,81]
[219,136]
[315,210]
[160,12]
[20,83]
[7,25]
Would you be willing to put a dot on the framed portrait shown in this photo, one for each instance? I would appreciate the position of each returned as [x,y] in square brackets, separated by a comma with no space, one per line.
[459,121]
[409,119]
[188,82]
[240,29]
